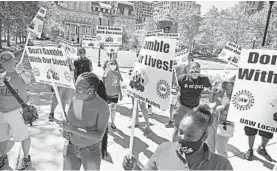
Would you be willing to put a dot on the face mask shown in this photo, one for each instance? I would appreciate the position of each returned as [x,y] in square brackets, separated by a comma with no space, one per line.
[189,147]
[112,67]
[82,96]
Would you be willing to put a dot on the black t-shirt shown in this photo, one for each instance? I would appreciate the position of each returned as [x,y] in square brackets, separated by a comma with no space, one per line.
[191,90]
[82,65]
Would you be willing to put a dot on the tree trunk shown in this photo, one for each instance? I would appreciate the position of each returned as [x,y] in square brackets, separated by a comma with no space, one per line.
[20,37]
[16,36]
[8,38]
[0,32]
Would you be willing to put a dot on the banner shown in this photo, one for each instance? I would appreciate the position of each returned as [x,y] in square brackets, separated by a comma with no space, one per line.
[36,26]
[230,53]
[109,34]
[90,41]
[153,33]
[111,47]
[254,98]
[175,36]
[50,60]
[152,75]
[70,50]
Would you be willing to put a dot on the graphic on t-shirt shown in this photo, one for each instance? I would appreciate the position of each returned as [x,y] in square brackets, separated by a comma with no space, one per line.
[115,81]
[139,80]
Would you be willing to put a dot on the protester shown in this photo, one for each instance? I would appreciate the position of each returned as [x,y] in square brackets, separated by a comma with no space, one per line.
[190,152]
[112,57]
[190,88]
[179,70]
[221,95]
[10,110]
[87,120]
[166,29]
[83,64]
[112,84]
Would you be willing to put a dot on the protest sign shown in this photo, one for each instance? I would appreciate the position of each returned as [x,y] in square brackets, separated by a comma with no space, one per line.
[153,33]
[230,53]
[152,75]
[181,57]
[254,98]
[90,41]
[175,36]
[47,61]
[36,26]
[111,47]
[109,34]
[70,50]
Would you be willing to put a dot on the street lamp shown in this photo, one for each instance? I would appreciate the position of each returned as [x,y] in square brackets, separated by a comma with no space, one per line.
[267,21]
[254,41]
[78,39]
[100,45]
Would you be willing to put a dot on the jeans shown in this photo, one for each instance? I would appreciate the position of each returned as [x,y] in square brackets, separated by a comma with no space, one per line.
[89,156]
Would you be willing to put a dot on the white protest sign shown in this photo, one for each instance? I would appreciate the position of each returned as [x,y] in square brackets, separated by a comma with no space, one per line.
[50,60]
[70,50]
[175,36]
[151,78]
[254,98]
[153,33]
[230,53]
[109,34]
[181,57]
[90,41]
[36,26]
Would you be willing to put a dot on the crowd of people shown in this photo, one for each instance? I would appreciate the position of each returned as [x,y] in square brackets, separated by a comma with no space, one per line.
[200,130]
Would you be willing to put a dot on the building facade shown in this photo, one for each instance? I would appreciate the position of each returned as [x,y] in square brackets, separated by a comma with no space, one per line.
[163,8]
[81,17]
[143,8]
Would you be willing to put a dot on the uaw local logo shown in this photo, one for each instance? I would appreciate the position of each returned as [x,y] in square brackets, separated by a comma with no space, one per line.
[243,100]
[36,72]
[163,89]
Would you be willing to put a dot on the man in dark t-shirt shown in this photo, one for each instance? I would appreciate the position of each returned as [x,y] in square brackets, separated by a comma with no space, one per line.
[190,89]
[83,64]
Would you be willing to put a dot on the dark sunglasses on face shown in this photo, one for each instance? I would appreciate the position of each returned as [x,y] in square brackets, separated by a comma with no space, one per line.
[197,71]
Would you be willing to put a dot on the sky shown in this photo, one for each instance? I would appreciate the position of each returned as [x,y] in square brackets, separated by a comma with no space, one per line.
[206,5]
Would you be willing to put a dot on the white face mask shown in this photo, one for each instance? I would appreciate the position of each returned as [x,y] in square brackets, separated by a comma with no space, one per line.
[112,67]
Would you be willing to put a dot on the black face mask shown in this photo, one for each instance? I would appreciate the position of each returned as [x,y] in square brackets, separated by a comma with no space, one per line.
[189,147]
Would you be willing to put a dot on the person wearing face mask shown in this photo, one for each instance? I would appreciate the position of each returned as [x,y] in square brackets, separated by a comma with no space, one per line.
[190,152]
[221,94]
[112,57]
[190,88]
[10,110]
[83,64]
[112,84]
[87,120]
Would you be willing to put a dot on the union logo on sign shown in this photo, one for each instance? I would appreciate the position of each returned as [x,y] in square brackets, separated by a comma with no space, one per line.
[39,28]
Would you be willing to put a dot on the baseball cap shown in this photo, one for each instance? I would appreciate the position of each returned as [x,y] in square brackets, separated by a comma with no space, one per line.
[5,56]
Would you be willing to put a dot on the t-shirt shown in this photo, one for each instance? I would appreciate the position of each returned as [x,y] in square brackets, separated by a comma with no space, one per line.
[82,65]
[166,157]
[7,101]
[179,70]
[191,90]
[112,83]
[87,115]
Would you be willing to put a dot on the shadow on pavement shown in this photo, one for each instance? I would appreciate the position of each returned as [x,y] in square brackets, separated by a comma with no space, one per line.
[138,147]
[264,162]
[124,111]
[154,137]
[235,151]
[160,118]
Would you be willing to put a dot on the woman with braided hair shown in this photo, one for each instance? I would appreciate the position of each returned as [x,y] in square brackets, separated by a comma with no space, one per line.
[87,121]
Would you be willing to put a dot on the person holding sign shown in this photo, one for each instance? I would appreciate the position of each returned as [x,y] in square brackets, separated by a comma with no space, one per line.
[87,120]
[178,71]
[112,84]
[190,152]
[190,88]
[10,110]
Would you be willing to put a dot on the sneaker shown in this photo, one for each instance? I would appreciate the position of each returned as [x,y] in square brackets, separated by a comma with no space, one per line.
[113,127]
[25,163]
[249,155]
[136,126]
[264,153]
[169,124]
[3,161]
[51,117]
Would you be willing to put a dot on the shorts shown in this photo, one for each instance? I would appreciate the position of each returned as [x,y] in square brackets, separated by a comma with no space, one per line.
[112,99]
[252,132]
[64,94]
[179,112]
[173,99]
[13,122]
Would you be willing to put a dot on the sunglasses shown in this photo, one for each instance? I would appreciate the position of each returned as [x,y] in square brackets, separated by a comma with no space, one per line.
[196,71]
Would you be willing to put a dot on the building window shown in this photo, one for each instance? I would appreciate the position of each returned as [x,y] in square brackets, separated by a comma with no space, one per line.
[96,8]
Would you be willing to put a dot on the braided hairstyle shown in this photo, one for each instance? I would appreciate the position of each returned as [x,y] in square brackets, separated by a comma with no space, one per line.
[100,89]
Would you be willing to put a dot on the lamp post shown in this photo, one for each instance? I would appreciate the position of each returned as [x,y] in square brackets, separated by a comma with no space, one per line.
[100,45]
[254,41]
[267,21]
[78,39]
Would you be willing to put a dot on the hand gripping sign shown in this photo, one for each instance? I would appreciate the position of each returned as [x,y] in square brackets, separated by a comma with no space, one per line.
[254,96]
